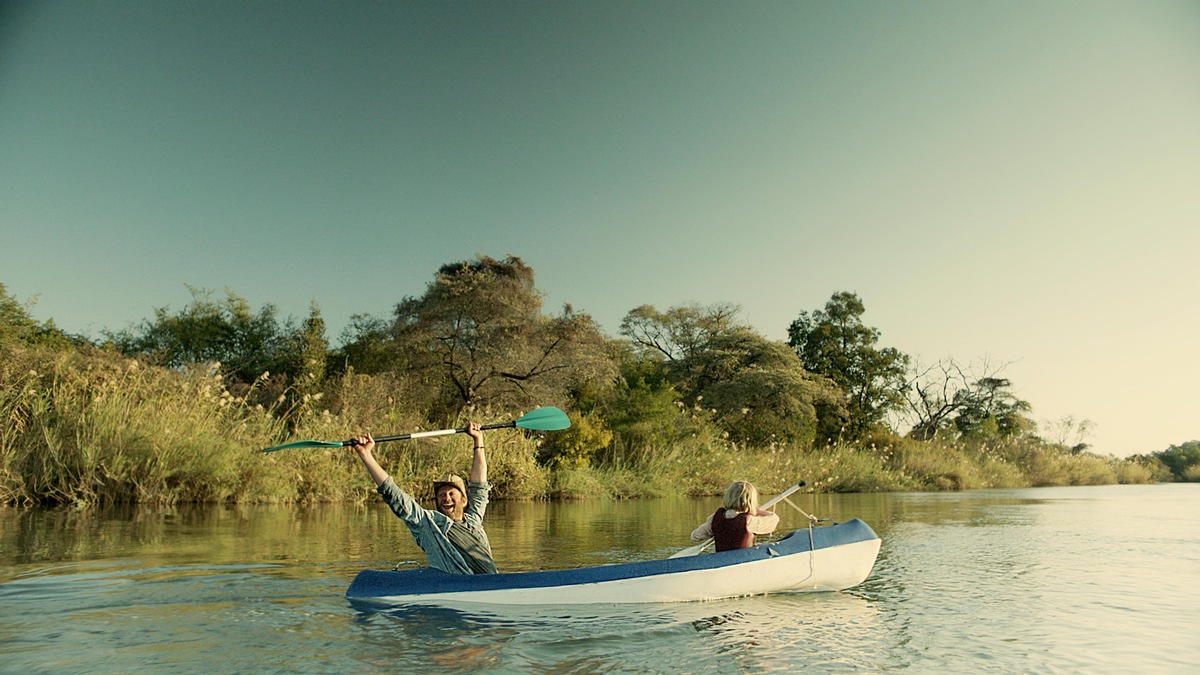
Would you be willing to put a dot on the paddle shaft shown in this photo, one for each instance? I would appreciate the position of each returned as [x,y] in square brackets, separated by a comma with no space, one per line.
[439,432]
[783,495]
[547,418]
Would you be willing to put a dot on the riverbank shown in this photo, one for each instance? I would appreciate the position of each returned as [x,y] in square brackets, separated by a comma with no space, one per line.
[89,429]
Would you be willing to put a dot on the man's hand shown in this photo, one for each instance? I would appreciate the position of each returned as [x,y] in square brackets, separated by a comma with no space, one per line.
[479,459]
[476,433]
[363,444]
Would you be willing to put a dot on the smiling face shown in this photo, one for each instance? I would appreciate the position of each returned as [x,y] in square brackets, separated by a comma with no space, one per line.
[451,502]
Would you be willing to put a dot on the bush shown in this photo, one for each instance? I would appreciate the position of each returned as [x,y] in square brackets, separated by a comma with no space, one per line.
[1132,473]
[86,426]
[96,427]
[575,446]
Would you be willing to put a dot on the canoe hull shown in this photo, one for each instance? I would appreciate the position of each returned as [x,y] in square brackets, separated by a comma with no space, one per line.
[824,559]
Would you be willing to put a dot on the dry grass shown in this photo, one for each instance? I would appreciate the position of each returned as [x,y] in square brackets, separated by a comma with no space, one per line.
[93,428]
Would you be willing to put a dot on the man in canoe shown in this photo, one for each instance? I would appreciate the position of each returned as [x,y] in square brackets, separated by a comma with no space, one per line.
[452,536]
[736,524]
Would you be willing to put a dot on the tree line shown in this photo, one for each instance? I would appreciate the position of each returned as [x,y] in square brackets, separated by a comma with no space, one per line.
[479,340]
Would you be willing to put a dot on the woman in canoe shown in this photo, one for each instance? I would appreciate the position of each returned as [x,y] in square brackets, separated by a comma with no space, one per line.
[736,524]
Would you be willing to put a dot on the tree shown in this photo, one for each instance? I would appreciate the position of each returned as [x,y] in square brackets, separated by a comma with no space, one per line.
[15,321]
[835,343]
[1069,432]
[989,408]
[641,408]
[933,394]
[971,402]
[304,353]
[756,388]
[246,344]
[478,337]
[366,347]
[679,331]
[575,446]
[1183,460]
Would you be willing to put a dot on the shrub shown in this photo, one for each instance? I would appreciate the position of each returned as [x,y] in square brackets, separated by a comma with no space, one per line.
[575,446]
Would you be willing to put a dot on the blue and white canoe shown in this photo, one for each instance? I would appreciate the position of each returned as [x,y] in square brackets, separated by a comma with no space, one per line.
[830,558]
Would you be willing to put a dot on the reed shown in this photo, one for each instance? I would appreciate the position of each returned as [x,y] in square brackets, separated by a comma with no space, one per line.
[1132,472]
[380,405]
[92,427]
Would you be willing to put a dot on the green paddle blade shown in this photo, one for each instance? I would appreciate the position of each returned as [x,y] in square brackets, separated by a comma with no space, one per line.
[302,444]
[544,419]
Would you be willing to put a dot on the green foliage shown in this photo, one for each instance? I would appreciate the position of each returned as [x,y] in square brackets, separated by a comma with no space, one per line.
[271,363]
[575,446]
[1159,472]
[17,325]
[246,344]
[100,428]
[477,338]
[990,410]
[303,356]
[644,414]
[692,400]
[753,388]
[15,320]
[1128,472]
[759,407]
[366,347]
[1183,461]
[836,344]
[305,353]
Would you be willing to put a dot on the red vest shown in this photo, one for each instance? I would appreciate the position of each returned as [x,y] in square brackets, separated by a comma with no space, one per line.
[731,533]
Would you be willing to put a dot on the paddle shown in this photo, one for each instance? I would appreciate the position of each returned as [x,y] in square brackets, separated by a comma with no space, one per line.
[548,418]
[699,548]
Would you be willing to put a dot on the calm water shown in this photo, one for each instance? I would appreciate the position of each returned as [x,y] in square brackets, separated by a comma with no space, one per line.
[1096,579]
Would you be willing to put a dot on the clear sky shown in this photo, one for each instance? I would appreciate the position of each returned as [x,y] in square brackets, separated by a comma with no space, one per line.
[1011,181]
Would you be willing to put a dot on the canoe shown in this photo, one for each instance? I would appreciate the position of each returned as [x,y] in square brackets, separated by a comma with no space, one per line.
[829,558]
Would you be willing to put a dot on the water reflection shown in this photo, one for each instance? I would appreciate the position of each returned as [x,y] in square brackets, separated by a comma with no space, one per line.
[835,630]
[179,535]
[1060,579]
[525,535]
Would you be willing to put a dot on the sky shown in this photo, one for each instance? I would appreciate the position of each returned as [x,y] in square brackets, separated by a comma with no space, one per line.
[1010,183]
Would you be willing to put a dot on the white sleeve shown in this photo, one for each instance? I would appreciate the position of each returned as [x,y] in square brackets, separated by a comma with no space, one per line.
[764,522]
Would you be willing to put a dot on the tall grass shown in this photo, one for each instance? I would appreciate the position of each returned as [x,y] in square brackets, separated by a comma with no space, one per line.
[94,428]
[91,427]
[85,428]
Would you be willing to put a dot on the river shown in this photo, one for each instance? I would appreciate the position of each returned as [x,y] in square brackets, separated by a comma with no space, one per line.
[1080,579]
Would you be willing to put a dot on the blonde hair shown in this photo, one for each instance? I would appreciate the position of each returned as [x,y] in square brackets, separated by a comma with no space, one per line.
[742,497]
